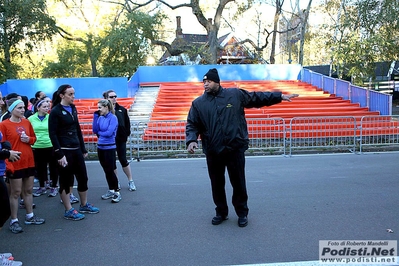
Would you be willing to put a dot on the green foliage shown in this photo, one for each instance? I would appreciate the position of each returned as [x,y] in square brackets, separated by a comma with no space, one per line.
[24,25]
[72,61]
[127,43]
[365,33]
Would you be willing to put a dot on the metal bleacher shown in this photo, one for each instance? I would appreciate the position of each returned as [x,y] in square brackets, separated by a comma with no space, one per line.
[315,119]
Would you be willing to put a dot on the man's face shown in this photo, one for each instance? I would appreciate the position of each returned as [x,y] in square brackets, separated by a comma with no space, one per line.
[210,86]
[112,97]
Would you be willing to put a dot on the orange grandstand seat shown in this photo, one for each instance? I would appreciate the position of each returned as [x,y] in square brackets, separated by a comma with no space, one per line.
[174,101]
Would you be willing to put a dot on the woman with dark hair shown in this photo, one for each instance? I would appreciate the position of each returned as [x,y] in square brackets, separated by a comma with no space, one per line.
[5,115]
[121,136]
[5,153]
[27,112]
[19,132]
[43,151]
[70,151]
[3,106]
[105,125]
[39,95]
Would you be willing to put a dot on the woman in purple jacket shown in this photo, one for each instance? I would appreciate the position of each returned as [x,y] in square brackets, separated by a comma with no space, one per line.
[105,125]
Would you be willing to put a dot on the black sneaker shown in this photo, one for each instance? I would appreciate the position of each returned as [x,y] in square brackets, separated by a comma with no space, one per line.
[218,219]
[242,221]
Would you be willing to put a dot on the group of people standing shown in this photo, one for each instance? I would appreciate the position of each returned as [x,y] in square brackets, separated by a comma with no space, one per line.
[49,139]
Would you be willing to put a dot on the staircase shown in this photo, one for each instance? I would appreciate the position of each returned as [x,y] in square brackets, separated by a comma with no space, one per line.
[140,111]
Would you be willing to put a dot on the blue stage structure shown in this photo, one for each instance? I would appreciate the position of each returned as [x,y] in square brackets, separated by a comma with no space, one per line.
[124,87]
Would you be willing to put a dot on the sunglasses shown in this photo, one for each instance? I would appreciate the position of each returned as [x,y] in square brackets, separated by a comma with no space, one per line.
[112,96]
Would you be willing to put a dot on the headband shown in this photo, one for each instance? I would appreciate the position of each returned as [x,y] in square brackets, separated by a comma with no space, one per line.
[12,106]
[40,103]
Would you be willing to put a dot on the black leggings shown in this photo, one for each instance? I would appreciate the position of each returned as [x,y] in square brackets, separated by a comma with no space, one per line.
[5,210]
[76,168]
[44,157]
[121,151]
[107,160]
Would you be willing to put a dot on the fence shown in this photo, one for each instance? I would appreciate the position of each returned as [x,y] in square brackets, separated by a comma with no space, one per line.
[374,100]
[269,135]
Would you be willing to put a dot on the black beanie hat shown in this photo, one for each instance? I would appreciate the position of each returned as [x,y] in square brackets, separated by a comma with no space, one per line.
[213,75]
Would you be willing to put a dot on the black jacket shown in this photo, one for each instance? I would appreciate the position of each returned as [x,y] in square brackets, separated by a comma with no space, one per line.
[123,131]
[220,118]
[64,130]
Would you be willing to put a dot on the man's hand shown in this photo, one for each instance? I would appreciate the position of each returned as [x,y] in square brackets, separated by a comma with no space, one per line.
[288,97]
[192,146]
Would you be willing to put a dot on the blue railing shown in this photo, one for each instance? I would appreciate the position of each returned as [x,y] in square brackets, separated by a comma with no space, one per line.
[374,100]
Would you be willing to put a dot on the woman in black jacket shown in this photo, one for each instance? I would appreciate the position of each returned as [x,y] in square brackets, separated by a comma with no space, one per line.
[66,137]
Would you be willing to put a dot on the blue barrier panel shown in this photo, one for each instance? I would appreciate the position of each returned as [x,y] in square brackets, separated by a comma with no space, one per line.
[317,80]
[133,84]
[84,87]
[380,102]
[342,88]
[359,95]
[307,74]
[226,72]
[329,85]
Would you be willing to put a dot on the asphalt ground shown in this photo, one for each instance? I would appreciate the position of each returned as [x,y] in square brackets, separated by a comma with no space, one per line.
[294,202]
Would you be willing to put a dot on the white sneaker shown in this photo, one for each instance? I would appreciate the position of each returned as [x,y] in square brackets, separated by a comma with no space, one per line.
[117,197]
[6,259]
[108,195]
[72,199]
[131,185]
[5,255]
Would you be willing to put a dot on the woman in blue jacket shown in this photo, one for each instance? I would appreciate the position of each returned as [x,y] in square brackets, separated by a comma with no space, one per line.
[105,125]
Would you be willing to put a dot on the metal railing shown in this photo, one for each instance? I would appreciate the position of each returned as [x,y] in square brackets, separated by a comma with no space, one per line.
[374,100]
[322,132]
[268,135]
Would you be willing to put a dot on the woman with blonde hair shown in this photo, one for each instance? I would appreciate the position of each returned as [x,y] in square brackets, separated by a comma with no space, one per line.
[105,125]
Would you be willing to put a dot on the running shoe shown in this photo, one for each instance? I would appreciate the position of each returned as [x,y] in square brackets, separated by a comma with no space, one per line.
[73,199]
[5,256]
[88,208]
[47,184]
[73,215]
[108,195]
[39,192]
[117,197]
[9,261]
[131,185]
[16,228]
[34,220]
[22,204]
[53,192]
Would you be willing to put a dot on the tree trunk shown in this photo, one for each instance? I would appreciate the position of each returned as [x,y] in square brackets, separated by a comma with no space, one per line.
[279,4]
[9,73]
[93,62]
[213,46]
[303,31]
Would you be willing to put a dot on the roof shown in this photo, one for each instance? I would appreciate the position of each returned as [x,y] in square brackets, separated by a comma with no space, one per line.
[230,53]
